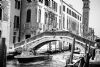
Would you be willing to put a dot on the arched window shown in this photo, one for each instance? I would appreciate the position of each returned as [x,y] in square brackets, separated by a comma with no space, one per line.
[28,19]
[39,16]
[0,14]
[45,17]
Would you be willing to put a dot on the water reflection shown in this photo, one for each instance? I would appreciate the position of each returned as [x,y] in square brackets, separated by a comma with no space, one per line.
[48,63]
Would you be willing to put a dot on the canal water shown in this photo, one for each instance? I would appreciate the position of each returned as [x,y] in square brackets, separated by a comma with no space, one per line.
[58,60]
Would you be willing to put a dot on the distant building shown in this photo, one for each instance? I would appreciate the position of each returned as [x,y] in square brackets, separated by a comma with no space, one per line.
[90,34]
[86,8]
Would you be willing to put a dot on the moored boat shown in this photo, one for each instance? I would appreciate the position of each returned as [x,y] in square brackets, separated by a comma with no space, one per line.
[32,58]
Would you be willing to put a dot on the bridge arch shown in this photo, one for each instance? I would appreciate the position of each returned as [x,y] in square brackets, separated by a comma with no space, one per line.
[39,43]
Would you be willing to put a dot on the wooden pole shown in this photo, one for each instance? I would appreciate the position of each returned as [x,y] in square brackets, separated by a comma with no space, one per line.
[85,48]
[72,50]
[2,53]
[87,58]
[55,45]
[50,46]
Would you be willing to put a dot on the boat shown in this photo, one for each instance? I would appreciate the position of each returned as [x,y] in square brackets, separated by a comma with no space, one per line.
[96,60]
[32,58]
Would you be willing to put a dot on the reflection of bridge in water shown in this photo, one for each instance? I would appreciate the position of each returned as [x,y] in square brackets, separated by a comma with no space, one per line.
[38,41]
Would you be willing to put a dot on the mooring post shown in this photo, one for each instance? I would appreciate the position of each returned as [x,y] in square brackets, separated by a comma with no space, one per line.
[70,64]
[50,47]
[85,48]
[72,50]
[2,52]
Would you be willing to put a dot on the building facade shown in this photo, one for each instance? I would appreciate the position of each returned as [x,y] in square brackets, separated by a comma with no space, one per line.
[38,16]
[44,15]
[27,18]
[9,18]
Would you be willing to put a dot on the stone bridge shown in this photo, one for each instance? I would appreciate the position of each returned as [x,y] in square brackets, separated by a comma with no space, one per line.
[39,40]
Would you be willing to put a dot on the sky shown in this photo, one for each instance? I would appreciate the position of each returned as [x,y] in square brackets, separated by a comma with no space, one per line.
[94,13]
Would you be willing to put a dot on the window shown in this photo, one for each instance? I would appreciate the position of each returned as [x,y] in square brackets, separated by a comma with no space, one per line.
[63,8]
[60,9]
[60,25]
[86,5]
[47,2]
[80,18]
[64,22]
[29,1]
[45,18]
[16,21]
[28,19]
[67,22]
[55,23]
[18,39]
[70,12]
[14,39]
[0,14]
[39,16]
[17,4]
[27,36]
[14,33]
[54,6]
[0,33]
[67,10]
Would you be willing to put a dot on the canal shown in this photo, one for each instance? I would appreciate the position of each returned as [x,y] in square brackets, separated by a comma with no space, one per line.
[58,60]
